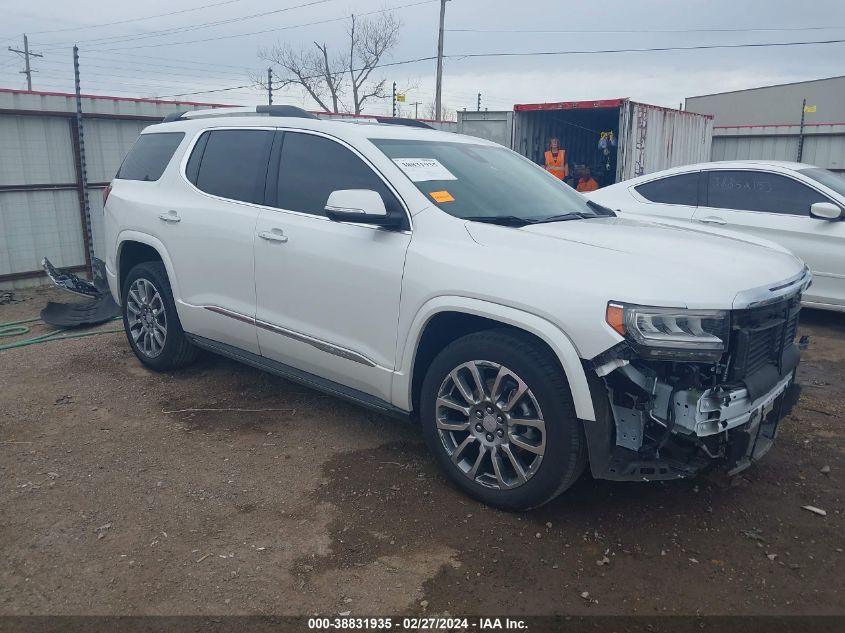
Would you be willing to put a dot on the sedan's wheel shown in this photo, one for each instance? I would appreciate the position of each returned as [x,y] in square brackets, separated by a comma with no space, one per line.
[497,413]
[150,319]
[147,317]
[491,424]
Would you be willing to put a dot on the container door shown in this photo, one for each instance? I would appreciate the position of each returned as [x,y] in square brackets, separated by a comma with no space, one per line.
[623,149]
[492,126]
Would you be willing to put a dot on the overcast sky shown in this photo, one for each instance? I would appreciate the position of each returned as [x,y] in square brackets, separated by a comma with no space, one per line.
[135,59]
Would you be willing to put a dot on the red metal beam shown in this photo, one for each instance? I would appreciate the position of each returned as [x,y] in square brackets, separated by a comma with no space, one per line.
[29,274]
[570,105]
[109,98]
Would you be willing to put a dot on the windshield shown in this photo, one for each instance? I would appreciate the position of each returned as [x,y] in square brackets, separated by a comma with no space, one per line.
[485,183]
[827,178]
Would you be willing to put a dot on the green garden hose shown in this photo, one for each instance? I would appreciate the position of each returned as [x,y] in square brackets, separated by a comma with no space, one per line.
[16,328]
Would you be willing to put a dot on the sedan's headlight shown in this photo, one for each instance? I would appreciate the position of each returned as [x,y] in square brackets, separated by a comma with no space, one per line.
[672,333]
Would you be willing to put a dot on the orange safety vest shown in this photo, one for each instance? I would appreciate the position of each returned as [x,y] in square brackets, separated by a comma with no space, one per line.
[557,167]
[587,185]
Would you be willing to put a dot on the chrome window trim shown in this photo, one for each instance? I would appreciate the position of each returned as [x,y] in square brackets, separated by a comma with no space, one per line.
[183,165]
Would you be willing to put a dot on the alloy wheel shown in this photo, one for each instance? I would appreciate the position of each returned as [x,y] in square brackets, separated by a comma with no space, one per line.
[146,317]
[490,424]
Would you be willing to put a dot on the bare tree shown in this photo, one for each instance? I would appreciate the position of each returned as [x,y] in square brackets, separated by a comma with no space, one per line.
[369,41]
[326,76]
[311,68]
[429,111]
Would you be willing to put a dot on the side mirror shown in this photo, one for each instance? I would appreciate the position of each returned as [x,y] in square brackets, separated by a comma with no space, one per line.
[362,206]
[825,211]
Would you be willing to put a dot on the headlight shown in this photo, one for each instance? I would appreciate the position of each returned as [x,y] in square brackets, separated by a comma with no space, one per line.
[672,333]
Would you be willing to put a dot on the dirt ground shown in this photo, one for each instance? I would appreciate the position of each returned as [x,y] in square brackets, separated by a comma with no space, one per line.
[118,499]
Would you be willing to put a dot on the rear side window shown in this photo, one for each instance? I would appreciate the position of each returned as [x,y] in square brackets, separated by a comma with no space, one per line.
[760,191]
[311,167]
[149,156]
[681,189]
[231,163]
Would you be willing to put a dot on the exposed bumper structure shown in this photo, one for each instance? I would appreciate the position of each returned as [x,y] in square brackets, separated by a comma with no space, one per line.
[664,420]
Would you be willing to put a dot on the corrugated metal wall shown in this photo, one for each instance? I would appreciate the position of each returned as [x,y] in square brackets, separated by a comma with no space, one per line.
[824,145]
[40,210]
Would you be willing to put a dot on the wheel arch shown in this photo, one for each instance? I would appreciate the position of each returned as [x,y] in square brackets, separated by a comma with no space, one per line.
[134,248]
[444,319]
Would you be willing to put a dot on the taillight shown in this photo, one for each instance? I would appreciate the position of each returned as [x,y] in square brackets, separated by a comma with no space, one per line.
[106,193]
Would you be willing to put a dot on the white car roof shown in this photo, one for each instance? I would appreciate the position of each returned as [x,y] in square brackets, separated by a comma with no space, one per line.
[774,165]
[350,130]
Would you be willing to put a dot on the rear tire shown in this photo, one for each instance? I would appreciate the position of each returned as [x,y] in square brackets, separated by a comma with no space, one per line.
[150,319]
[497,414]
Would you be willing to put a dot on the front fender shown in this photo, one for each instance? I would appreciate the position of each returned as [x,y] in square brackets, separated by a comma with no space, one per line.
[554,337]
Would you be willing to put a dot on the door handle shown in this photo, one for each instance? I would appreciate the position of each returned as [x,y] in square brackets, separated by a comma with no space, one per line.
[276,235]
[712,219]
[170,216]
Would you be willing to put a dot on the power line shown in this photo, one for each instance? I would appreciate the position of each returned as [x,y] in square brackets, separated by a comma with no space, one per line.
[164,69]
[273,30]
[171,31]
[553,53]
[596,31]
[385,65]
[643,50]
[132,20]
[171,60]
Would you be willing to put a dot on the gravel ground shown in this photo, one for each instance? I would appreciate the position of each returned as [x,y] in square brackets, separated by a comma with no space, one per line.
[118,499]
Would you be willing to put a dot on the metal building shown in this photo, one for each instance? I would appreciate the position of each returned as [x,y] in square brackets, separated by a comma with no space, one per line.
[802,121]
[41,193]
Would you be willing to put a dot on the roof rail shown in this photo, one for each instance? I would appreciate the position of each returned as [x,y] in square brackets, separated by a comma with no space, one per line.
[389,120]
[284,110]
[267,110]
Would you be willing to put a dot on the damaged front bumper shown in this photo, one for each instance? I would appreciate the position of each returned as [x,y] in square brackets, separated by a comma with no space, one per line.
[652,425]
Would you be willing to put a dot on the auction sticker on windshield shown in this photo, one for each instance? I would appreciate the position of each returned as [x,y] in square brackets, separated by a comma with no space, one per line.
[442,196]
[423,169]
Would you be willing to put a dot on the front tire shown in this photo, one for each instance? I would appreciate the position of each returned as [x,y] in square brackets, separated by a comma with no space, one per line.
[150,320]
[497,414]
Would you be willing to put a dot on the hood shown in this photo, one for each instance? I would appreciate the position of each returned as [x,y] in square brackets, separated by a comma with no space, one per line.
[660,264]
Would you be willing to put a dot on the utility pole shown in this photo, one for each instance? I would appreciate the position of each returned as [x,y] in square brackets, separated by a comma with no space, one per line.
[82,172]
[394,99]
[26,55]
[270,86]
[438,92]
[417,105]
[478,106]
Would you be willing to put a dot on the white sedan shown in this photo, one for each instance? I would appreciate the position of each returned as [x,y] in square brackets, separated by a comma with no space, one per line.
[799,206]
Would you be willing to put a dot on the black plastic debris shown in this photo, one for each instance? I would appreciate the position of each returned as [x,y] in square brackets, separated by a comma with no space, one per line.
[71,315]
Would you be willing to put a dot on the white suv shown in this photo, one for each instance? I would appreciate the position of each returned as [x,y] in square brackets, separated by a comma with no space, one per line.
[446,279]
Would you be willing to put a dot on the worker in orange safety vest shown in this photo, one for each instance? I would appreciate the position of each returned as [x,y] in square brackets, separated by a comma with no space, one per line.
[556,160]
[586,182]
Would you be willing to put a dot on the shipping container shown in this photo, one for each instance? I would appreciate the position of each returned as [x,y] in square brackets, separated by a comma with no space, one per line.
[638,138]
[617,138]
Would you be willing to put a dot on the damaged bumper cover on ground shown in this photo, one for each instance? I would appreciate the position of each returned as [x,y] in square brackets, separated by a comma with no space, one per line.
[664,419]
